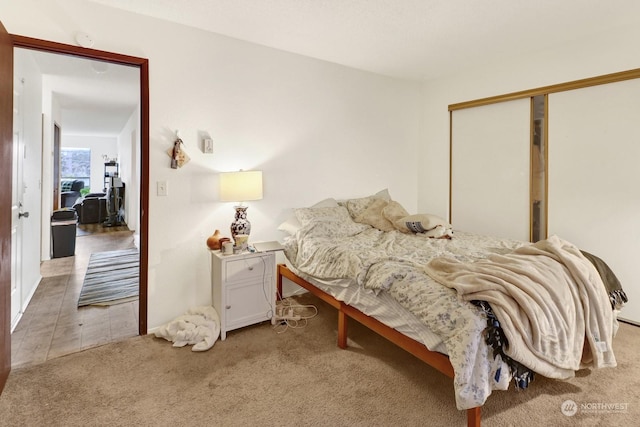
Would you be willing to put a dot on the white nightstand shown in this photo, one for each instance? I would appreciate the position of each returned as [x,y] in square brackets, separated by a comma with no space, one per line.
[243,289]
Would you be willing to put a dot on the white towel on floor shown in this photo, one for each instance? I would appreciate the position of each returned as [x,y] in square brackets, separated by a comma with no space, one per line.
[199,326]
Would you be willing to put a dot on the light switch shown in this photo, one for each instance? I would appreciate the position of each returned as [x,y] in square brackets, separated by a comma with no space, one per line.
[163,188]
[208,145]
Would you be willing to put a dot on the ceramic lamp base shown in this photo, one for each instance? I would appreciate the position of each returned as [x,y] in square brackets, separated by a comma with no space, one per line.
[241,224]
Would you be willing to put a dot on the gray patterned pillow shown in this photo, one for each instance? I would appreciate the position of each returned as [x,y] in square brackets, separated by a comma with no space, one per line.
[291,225]
[373,216]
[357,206]
[329,221]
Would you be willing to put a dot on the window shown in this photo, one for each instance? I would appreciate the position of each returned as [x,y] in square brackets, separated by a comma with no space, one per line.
[75,163]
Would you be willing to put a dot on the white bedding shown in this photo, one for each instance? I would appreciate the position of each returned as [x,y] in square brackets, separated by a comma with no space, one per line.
[551,302]
[381,307]
[359,264]
[323,251]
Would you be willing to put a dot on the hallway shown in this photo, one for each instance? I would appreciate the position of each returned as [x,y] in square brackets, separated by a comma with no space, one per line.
[53,325]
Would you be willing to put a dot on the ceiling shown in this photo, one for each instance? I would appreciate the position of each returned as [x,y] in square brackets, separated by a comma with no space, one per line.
[95,98]
[409,39]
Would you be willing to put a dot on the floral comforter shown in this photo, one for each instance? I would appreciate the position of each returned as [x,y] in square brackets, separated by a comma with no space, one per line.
[393,262]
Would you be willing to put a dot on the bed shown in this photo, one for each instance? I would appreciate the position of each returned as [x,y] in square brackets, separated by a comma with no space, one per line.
[483,310]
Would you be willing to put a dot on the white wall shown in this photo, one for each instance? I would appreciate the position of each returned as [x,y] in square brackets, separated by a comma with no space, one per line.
[99,145]
[129,157]
[314,128]
[51,114]
[608,53]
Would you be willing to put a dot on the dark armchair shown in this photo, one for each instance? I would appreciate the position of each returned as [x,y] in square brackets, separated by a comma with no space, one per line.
[70,192]
[92,208]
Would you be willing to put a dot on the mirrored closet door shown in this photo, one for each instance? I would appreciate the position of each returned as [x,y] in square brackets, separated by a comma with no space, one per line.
[563,160]
[594,158]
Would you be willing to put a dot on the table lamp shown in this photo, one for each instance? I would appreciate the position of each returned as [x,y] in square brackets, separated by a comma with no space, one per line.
[241,186]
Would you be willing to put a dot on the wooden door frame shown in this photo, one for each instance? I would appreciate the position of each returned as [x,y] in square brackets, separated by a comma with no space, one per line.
[143,65]
[6,178]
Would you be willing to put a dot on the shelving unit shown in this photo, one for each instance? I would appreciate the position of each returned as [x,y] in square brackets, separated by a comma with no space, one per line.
[111,169]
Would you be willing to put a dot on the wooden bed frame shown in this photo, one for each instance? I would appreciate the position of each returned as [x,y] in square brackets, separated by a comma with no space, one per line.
[437,360]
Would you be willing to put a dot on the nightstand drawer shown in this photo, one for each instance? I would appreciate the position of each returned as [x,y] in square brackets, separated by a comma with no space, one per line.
[247,268]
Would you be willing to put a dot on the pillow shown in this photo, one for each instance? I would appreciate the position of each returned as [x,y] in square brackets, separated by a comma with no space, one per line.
[291,225]
[383,194]
[66,185]
[357,206]
[329,221]
[419,223]
[374,217]
[439,232]
[329,213]
[326,203]
[394,211]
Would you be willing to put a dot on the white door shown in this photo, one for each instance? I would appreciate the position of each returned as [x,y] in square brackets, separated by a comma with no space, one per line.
[17,191]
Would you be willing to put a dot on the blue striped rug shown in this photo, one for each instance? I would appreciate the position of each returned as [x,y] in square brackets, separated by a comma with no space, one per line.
[112,278]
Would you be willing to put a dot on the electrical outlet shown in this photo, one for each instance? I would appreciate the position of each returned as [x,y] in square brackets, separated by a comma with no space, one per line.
[162,188]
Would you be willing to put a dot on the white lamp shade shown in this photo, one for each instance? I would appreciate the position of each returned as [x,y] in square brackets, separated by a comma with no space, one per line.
[240,186]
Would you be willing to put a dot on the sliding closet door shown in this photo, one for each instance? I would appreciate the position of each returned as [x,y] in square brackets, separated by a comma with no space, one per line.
[594,173]
[490,152]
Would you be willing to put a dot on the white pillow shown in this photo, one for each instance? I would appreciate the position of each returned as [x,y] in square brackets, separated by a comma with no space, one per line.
[419,223]
[290,225]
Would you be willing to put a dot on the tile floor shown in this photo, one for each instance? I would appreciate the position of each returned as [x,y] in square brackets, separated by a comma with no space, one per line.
[53,325]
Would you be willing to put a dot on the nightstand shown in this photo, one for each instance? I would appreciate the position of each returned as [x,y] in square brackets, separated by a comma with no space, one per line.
[243,290]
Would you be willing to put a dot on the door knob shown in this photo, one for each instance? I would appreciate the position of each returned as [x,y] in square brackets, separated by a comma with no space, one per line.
[23,214]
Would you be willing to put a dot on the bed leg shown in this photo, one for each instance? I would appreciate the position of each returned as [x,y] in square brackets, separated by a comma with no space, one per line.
[473,417]
[342,329]
[278,286]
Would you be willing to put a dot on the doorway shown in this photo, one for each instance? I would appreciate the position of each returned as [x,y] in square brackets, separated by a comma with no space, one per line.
[142,167]
[53,325]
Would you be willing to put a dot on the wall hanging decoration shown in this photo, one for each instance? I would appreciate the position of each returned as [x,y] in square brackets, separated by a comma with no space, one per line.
[177,153]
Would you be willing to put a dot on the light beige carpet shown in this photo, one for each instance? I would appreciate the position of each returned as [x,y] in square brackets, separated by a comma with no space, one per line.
[296,378]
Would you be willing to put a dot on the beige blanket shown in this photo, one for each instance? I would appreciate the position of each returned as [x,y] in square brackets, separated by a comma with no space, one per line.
[549,299]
